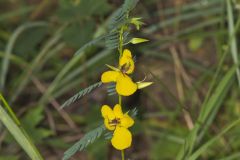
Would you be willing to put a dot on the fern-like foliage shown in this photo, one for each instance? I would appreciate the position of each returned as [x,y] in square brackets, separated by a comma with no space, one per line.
[112,39]
[89,138]
[121,15]
[80,94]
[111,89]
[119,18]
[133,113]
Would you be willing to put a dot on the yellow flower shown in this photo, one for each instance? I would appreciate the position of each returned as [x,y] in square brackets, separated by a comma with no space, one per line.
[118,122]
[124,84]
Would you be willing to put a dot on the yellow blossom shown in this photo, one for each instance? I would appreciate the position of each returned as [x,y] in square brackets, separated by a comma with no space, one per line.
[124,84]
[116,121]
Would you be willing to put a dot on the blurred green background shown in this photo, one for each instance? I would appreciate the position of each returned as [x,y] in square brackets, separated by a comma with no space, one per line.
[188,45]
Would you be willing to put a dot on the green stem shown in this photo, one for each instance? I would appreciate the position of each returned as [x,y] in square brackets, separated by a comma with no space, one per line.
[122,151]
[120,100]
[120,48]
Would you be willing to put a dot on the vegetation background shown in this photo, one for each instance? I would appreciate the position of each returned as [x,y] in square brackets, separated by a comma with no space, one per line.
[190,58]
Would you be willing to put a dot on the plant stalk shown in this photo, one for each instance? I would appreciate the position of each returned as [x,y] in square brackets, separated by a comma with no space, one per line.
[122,151]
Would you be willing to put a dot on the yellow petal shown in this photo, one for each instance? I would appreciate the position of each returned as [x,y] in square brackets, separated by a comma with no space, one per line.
[118,111]
[107,112]
[109,76]
[108,125]
[126,121]
[143,84]
[127,53]
[126,62]
[122,138]
[125,86]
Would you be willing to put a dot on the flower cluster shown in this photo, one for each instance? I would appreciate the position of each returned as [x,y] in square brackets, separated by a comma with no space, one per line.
[114,119]
[124,84]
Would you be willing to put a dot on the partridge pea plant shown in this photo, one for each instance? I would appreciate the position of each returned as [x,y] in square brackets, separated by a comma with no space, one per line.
[124,84]
[119,77]
[114,119]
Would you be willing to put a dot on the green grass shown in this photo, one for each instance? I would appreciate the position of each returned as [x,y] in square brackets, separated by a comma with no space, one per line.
[14,127]
[43,62]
